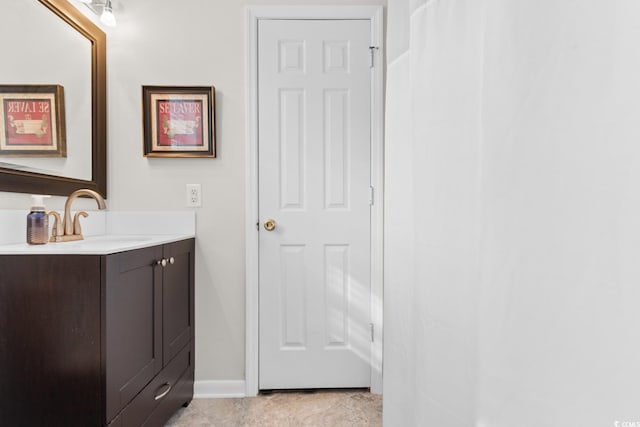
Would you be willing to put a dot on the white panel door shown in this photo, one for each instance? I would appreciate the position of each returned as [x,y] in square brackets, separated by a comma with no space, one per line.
[314,182]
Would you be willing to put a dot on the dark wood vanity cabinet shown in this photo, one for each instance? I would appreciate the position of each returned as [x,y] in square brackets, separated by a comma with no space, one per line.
[94,340]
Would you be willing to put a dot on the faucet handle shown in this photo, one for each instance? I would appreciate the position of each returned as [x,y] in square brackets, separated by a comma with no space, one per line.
[56,230]
[77,230]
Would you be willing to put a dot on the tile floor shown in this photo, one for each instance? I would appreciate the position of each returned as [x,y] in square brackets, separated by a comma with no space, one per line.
[285,409]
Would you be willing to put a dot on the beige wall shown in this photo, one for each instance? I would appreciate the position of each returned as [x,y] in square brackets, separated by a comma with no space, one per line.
[194,42]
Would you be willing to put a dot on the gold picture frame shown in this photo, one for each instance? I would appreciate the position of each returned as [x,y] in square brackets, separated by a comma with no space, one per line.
[32,121]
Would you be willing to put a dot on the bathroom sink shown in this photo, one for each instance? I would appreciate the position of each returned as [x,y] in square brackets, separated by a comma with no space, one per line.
[115,238]
[99,244]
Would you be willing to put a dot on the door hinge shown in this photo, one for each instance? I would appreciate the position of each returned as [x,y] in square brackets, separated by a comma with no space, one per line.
[371,192]
[371,329]
[372,50]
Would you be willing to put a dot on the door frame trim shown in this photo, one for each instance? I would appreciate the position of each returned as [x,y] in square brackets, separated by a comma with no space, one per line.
[253,14]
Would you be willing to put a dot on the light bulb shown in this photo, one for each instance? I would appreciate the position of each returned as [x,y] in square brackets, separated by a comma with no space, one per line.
[107,17]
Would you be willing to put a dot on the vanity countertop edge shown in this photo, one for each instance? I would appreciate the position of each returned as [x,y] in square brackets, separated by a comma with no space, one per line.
[94,245]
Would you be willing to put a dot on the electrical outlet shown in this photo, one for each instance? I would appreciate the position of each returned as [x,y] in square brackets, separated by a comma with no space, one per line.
[194,196]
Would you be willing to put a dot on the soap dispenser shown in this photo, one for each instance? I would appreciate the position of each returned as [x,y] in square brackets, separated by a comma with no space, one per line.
[37,222]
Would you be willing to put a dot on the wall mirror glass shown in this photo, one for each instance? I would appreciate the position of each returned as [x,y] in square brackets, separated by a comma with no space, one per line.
[49,42]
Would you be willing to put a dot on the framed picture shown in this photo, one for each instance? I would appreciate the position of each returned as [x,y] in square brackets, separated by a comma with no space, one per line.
[179,121]
[32,122]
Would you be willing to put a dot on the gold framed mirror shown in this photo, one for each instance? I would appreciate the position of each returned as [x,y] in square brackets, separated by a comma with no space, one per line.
[24,180]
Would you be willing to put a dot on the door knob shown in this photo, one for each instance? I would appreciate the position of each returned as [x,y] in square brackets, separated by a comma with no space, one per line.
[269,225]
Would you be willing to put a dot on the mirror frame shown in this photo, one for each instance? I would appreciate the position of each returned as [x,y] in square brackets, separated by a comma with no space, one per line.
[36,183]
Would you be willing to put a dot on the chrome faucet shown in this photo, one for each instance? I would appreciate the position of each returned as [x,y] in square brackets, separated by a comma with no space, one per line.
[70,229]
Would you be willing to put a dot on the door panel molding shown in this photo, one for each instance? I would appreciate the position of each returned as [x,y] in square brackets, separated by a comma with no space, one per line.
[253,15]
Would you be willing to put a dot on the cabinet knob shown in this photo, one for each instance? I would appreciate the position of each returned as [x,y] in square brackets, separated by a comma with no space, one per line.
[164,261]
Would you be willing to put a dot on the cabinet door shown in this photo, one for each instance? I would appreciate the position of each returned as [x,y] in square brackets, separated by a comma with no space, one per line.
[133,324]
[178,300]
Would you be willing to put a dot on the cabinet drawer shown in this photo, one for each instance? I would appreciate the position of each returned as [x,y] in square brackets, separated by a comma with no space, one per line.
[135,414]
[182,393]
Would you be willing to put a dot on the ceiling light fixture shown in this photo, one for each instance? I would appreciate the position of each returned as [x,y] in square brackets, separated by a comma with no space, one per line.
[107,17]
[103,9]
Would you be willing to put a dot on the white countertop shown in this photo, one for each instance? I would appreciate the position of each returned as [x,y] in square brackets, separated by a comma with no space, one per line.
[93,245]
[104,232]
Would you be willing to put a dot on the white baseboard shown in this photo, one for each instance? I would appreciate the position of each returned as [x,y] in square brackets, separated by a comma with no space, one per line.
[212,389]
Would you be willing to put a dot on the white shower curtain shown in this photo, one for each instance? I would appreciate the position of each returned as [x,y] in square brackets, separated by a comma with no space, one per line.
[512,219]
[433,94]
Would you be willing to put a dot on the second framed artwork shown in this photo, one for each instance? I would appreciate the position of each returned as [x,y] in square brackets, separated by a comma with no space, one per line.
[179,121]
